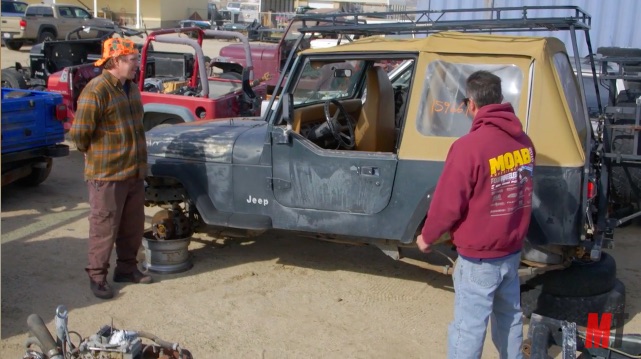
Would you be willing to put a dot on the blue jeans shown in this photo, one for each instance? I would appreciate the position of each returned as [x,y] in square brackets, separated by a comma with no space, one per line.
[484,290]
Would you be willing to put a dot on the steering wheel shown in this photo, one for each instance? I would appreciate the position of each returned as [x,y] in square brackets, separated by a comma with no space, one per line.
[345,140]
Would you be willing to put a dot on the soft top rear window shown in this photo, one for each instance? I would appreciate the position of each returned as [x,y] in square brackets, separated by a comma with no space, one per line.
[572,94]
[443,112]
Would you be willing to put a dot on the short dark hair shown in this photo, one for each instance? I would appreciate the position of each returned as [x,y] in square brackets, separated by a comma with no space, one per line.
[484,88]
[109,64]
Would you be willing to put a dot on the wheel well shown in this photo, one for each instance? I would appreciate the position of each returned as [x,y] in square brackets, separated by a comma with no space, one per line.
[49,29]
[153,119]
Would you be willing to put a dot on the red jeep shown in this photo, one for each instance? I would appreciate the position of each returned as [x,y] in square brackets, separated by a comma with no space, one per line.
[176,87]
[270,60]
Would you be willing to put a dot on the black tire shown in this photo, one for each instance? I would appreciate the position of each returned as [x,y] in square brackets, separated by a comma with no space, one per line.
[46,36]
[575,309]
[14,45]
[580,279]
[620,52]
[11,78]
[625,181]
[37,175]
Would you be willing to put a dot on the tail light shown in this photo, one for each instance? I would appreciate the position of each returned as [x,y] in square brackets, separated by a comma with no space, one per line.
[592,189]
[61,112]
[23,24]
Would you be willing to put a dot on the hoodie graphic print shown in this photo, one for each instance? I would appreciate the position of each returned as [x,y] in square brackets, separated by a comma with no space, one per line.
[510,181]
[484,194]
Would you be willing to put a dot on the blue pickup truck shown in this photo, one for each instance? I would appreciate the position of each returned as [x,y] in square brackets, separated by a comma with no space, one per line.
[32,134]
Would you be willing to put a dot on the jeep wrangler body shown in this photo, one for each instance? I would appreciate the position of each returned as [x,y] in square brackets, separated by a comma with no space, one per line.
[348,151]
[380,189]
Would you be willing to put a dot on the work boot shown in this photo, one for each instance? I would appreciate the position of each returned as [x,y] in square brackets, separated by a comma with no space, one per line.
[101,290]
[134,277]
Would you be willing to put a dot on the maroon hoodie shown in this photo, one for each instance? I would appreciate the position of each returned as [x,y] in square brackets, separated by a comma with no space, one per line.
[484,196]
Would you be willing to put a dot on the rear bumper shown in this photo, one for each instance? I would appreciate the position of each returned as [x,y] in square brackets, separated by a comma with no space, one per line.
[10,35]
[57,150]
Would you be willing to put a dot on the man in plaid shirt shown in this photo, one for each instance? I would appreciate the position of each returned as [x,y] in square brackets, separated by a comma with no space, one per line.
[108,129]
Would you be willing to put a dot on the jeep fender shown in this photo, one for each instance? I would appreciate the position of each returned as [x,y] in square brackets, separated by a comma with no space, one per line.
[157,113]
[418,217]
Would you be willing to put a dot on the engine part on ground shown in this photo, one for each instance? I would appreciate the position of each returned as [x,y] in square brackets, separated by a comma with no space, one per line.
[107,343]
[171,224]
[39,330]
[166,256]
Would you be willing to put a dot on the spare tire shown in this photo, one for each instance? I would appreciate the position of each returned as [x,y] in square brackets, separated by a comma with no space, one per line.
[621,52]
[580,279]
[11,78]
[625,181]
[575,309]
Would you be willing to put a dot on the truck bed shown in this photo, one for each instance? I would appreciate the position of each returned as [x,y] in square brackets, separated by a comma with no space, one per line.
[29,122]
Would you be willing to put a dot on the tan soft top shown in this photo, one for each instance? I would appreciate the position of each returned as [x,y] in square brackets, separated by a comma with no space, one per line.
[544,111]
[453,42]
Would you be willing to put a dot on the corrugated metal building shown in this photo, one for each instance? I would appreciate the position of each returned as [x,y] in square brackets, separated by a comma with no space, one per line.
[614,22]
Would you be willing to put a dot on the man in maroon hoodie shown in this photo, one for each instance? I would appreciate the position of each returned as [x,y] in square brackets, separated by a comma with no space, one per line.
[484,200]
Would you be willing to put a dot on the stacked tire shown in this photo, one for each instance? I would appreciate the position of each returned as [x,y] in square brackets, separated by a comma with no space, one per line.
[625,181]
[572,293]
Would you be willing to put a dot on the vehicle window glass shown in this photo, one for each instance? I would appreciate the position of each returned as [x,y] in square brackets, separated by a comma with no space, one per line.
[324,81]
[400,73]
[81,13]
[47,12]
[32,11]
[249,7]
[443,112]
[572,94]
[65,12]
[7,7]
[20,7]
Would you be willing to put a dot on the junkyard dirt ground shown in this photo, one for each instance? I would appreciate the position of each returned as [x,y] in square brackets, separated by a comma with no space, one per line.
[275,296]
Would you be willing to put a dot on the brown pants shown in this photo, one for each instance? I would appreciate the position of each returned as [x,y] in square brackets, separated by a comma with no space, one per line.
[117,216]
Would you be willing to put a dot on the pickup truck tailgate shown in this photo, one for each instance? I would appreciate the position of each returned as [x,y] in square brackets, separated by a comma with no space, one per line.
[10,25]
[29,121]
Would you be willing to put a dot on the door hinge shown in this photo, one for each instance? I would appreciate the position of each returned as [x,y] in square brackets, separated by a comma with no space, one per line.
[277,183]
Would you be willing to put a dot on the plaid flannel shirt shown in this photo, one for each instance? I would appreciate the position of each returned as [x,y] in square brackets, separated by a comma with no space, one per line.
[108,128]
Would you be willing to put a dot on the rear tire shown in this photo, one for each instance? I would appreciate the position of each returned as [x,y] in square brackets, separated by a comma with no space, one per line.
[46,36]
[580,279]
[620,52]
[11,78]
[38,174]
[575,309]
[625,181]
[14,45]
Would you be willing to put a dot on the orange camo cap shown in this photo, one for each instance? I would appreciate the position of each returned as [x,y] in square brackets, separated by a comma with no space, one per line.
[115,47]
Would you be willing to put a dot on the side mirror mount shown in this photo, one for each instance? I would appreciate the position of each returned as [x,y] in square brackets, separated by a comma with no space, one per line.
[288,108]
[287,111]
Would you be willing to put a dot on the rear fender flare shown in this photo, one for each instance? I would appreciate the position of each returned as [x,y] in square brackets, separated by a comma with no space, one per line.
[49,28]
[418,217]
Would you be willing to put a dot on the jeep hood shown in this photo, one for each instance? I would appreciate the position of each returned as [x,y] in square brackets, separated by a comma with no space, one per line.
[210,141]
